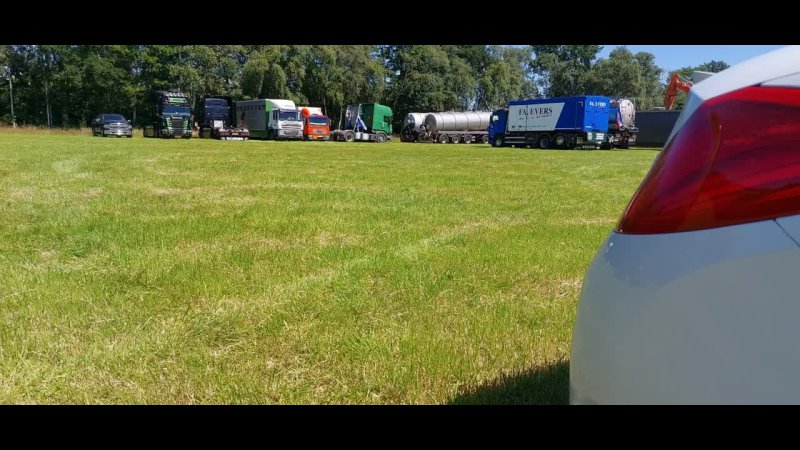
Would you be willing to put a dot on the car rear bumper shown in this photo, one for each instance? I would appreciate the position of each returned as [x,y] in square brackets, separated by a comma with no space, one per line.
[697,317]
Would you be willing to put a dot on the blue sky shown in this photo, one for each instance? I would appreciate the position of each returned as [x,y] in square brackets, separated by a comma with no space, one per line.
[670,57]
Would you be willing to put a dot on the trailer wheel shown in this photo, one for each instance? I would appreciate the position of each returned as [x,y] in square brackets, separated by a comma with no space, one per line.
[349,136]
[544,141]
[467,139]
[442,139]
[485,139]
[380,138]
[455,139]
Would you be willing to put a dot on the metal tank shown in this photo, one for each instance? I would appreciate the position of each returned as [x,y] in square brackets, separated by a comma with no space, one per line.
[414,120]
[628,112]
[457,121]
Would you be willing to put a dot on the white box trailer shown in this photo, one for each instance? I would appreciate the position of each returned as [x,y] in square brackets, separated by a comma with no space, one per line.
[270,118]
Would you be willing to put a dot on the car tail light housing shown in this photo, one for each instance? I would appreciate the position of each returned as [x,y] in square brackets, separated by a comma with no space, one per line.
[735,160]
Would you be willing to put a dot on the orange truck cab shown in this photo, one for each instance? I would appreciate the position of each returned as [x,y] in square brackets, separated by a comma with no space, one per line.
[316,126]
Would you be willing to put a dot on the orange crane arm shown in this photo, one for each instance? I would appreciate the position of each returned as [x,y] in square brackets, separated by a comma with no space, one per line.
[675,83]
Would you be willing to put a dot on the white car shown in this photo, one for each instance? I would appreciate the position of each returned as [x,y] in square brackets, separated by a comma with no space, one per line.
[694,298]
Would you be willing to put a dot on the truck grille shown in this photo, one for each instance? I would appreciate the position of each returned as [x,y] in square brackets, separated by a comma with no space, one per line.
[177,125]
[117,126]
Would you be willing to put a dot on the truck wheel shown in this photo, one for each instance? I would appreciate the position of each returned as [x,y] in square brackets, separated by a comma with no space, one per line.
[498,141]
[442,139]
[349,136]
[380,138]
[485,139]
[606,146]
[455,139]
[544,141]
[560,140]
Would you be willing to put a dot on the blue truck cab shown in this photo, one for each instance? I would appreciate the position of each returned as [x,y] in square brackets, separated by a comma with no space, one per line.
[562,122]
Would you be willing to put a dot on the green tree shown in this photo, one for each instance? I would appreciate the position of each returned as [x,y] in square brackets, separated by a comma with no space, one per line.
[324,78]
[617,76]
[506,78]
[624,74]
[263,76]
[713,66]
[560,70]
[652,93]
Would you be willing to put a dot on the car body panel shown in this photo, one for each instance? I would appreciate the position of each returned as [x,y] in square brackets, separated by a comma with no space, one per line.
[705,316]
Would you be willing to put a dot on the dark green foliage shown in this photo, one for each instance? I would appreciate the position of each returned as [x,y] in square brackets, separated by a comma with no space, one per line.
[67,85]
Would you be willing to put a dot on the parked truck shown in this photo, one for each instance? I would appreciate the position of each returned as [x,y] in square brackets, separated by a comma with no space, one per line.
[316,125]
[370,122]
[622,130]
[216,119]
[565,122]
[411,126]
[455,127]
[172,115]
[270,119]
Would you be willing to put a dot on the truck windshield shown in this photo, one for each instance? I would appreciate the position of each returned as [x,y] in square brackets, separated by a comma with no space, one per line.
[288,115]
[217,111]
[318,120]
[216,102]
[176,110]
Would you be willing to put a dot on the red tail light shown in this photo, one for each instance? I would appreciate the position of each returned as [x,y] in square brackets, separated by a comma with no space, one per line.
[736,160]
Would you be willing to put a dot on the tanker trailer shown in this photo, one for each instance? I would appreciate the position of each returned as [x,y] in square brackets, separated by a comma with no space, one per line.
[411,126]
[455,127]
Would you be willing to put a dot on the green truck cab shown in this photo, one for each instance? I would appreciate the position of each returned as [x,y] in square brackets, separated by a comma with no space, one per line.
[369,122]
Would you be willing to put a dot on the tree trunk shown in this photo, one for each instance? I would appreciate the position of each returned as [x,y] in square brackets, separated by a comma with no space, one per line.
[47,106]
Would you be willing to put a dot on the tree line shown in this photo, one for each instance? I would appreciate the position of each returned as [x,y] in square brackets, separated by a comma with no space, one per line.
[67,85]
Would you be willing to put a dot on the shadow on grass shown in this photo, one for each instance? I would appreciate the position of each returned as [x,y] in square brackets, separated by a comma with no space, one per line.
[548,385]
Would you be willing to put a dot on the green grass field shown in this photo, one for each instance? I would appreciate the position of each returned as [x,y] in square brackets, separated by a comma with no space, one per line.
[199,271]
